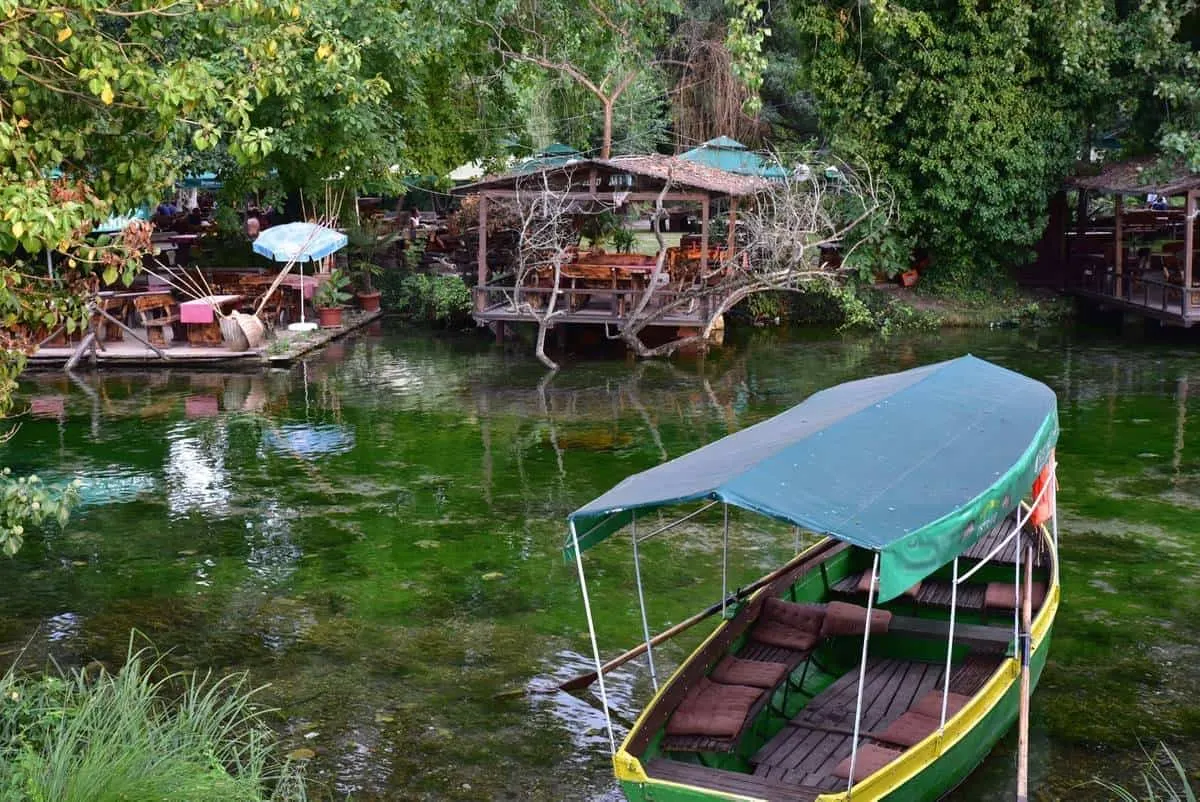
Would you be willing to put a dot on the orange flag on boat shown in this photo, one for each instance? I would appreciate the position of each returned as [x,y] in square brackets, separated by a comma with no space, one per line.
[1043,509]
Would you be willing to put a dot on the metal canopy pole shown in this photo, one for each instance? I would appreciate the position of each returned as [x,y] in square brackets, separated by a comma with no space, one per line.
[637,572]
[725,563]
[674,524]
[862,675]
[950,645]
[587,608]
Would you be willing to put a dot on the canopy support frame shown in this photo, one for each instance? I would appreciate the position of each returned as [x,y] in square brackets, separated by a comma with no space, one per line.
[862,676]
[673,524]
[725,562]
[637,573]
[587,609]
[950,646]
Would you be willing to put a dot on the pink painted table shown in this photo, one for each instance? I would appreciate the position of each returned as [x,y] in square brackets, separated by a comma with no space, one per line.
[201,309]
[199,318]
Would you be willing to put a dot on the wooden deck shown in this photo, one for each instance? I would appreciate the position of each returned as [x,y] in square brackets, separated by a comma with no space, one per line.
[1148,296]
[286,347]
[596,306]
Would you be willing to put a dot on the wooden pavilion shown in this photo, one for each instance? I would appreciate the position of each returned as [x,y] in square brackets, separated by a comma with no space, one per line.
[602,288]
[1141,258]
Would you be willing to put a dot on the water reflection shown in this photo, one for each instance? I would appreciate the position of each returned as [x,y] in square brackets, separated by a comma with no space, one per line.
[195,472]
[308,441]
[379,537]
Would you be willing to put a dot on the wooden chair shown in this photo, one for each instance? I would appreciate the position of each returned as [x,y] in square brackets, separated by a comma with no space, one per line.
[158,315]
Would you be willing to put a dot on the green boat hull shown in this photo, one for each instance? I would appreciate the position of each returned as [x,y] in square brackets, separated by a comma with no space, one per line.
[934,781]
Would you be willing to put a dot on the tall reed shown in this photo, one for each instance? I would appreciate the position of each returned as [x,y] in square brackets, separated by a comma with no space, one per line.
[1158,784]
[142,733]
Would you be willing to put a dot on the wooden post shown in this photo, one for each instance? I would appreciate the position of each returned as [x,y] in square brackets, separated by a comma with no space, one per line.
[1118,207]
[1026,649]
[704,211]
[1189,244]
[481,256]
[732,238]
[79,352]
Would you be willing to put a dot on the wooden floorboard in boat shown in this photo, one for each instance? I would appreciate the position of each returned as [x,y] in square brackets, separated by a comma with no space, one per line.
[933,593]
[806,751]
[731,782]
[974,673]
[1008,555]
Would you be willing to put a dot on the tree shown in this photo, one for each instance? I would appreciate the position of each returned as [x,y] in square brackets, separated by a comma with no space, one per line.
[364,94]
[975,112]
[783,239]
[603,46]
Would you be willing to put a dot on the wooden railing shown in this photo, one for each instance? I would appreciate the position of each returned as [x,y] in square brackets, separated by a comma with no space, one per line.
[620,301]
[1149,291]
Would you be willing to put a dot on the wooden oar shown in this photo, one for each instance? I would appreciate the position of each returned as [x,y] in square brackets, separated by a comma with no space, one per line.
[1026,649]
[583,680]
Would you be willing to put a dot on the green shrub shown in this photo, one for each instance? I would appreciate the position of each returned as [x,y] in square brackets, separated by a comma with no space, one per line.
[140,734]
[444,300]
[623,240]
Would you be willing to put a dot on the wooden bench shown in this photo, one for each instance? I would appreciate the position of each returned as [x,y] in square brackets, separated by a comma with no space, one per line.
[730,782]
[719,709]
[157,315]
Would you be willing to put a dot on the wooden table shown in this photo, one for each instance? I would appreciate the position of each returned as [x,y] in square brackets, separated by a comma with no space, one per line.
[288,293]
[199,318]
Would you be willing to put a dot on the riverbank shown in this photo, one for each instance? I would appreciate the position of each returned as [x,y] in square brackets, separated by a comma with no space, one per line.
[1012,307]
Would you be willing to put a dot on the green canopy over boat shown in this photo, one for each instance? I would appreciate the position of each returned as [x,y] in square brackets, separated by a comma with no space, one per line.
[916,465]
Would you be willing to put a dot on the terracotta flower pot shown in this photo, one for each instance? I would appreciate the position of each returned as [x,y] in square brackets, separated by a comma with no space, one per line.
[330,316]
[909,277]
[369,301]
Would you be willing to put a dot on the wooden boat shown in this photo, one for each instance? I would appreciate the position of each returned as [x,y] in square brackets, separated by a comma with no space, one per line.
[810,688]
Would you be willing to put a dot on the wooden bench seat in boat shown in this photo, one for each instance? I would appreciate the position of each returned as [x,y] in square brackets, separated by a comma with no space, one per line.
[1008,555]
[814,747]
[716,711]
[978,638]
[731,782]
[1003,595]
[928,592]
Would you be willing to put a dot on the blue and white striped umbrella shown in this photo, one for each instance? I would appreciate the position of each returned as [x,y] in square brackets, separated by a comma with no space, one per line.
[303,242]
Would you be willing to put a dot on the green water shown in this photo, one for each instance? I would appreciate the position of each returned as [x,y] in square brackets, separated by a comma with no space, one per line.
[376,534]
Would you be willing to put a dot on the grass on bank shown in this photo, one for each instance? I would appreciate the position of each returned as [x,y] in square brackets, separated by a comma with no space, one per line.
[140,734]
[1163,779]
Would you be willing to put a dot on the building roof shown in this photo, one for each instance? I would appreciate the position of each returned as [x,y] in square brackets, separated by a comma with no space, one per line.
[733,157]
[1139,177]
[656,167]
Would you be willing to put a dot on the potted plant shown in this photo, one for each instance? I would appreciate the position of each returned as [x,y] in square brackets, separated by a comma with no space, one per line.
[371,245]
[329,298]
[364,273]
